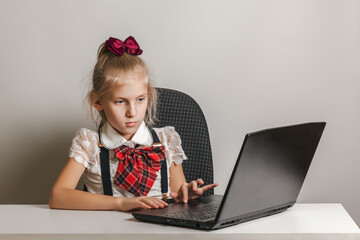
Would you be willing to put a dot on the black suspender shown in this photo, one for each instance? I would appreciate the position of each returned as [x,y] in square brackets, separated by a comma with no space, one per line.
[105,168]
[164,177]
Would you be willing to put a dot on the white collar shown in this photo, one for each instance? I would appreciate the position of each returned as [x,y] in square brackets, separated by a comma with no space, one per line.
[111,139]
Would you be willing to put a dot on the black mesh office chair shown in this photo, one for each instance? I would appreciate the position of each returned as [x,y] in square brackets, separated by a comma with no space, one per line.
[179,110]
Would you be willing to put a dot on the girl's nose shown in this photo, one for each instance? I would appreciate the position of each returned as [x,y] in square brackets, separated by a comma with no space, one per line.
[131,111]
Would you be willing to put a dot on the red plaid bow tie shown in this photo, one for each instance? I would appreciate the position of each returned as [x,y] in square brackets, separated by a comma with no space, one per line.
[137,168]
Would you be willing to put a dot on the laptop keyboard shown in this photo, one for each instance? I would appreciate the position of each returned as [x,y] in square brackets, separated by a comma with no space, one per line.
[201,212]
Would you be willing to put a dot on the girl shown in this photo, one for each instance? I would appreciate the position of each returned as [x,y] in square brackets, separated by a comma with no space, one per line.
[141,169]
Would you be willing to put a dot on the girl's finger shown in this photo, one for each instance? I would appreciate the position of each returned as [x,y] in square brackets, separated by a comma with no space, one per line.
[161,203]
[184,193]
[200,181]
[193,185]
[174,195]
[151,203]
[142,205]
[208,187]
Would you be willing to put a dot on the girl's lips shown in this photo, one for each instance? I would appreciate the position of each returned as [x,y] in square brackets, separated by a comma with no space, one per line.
[130,124]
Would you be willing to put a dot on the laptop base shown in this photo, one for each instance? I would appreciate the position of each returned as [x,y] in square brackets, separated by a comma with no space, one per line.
[157,215]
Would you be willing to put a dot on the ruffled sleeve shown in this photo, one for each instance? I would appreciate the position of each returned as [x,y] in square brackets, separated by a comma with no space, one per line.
[84,148]
[172,142]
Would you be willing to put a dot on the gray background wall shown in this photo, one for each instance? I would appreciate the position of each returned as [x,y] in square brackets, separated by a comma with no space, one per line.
[249,64]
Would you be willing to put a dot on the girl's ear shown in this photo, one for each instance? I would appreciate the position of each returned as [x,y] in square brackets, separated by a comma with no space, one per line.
[95,101]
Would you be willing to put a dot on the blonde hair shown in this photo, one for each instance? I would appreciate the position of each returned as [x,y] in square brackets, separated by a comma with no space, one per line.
[111,70]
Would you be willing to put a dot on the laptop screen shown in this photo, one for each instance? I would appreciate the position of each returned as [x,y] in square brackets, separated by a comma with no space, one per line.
[270,169]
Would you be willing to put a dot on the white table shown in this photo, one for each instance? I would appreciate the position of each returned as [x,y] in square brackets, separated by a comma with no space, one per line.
[302,221]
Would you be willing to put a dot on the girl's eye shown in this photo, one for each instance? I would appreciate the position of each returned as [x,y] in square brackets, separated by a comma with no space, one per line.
[141,99]
[119,101]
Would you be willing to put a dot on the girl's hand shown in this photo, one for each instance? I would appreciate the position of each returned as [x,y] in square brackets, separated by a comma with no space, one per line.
[137,203]
[191,190]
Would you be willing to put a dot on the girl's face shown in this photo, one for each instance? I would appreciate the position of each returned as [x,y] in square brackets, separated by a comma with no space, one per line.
[125,106]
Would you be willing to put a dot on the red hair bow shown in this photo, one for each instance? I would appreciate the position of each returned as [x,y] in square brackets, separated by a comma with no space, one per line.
[118,47]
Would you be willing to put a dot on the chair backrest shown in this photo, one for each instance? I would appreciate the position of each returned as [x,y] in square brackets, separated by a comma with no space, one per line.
[181,111]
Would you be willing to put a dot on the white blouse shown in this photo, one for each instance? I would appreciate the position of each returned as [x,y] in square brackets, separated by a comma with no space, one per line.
[85,150]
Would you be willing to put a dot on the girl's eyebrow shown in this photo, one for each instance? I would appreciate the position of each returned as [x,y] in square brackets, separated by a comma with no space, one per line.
[144,94]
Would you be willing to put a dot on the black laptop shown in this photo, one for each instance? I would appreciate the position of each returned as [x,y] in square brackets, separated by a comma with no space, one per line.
[266,179]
